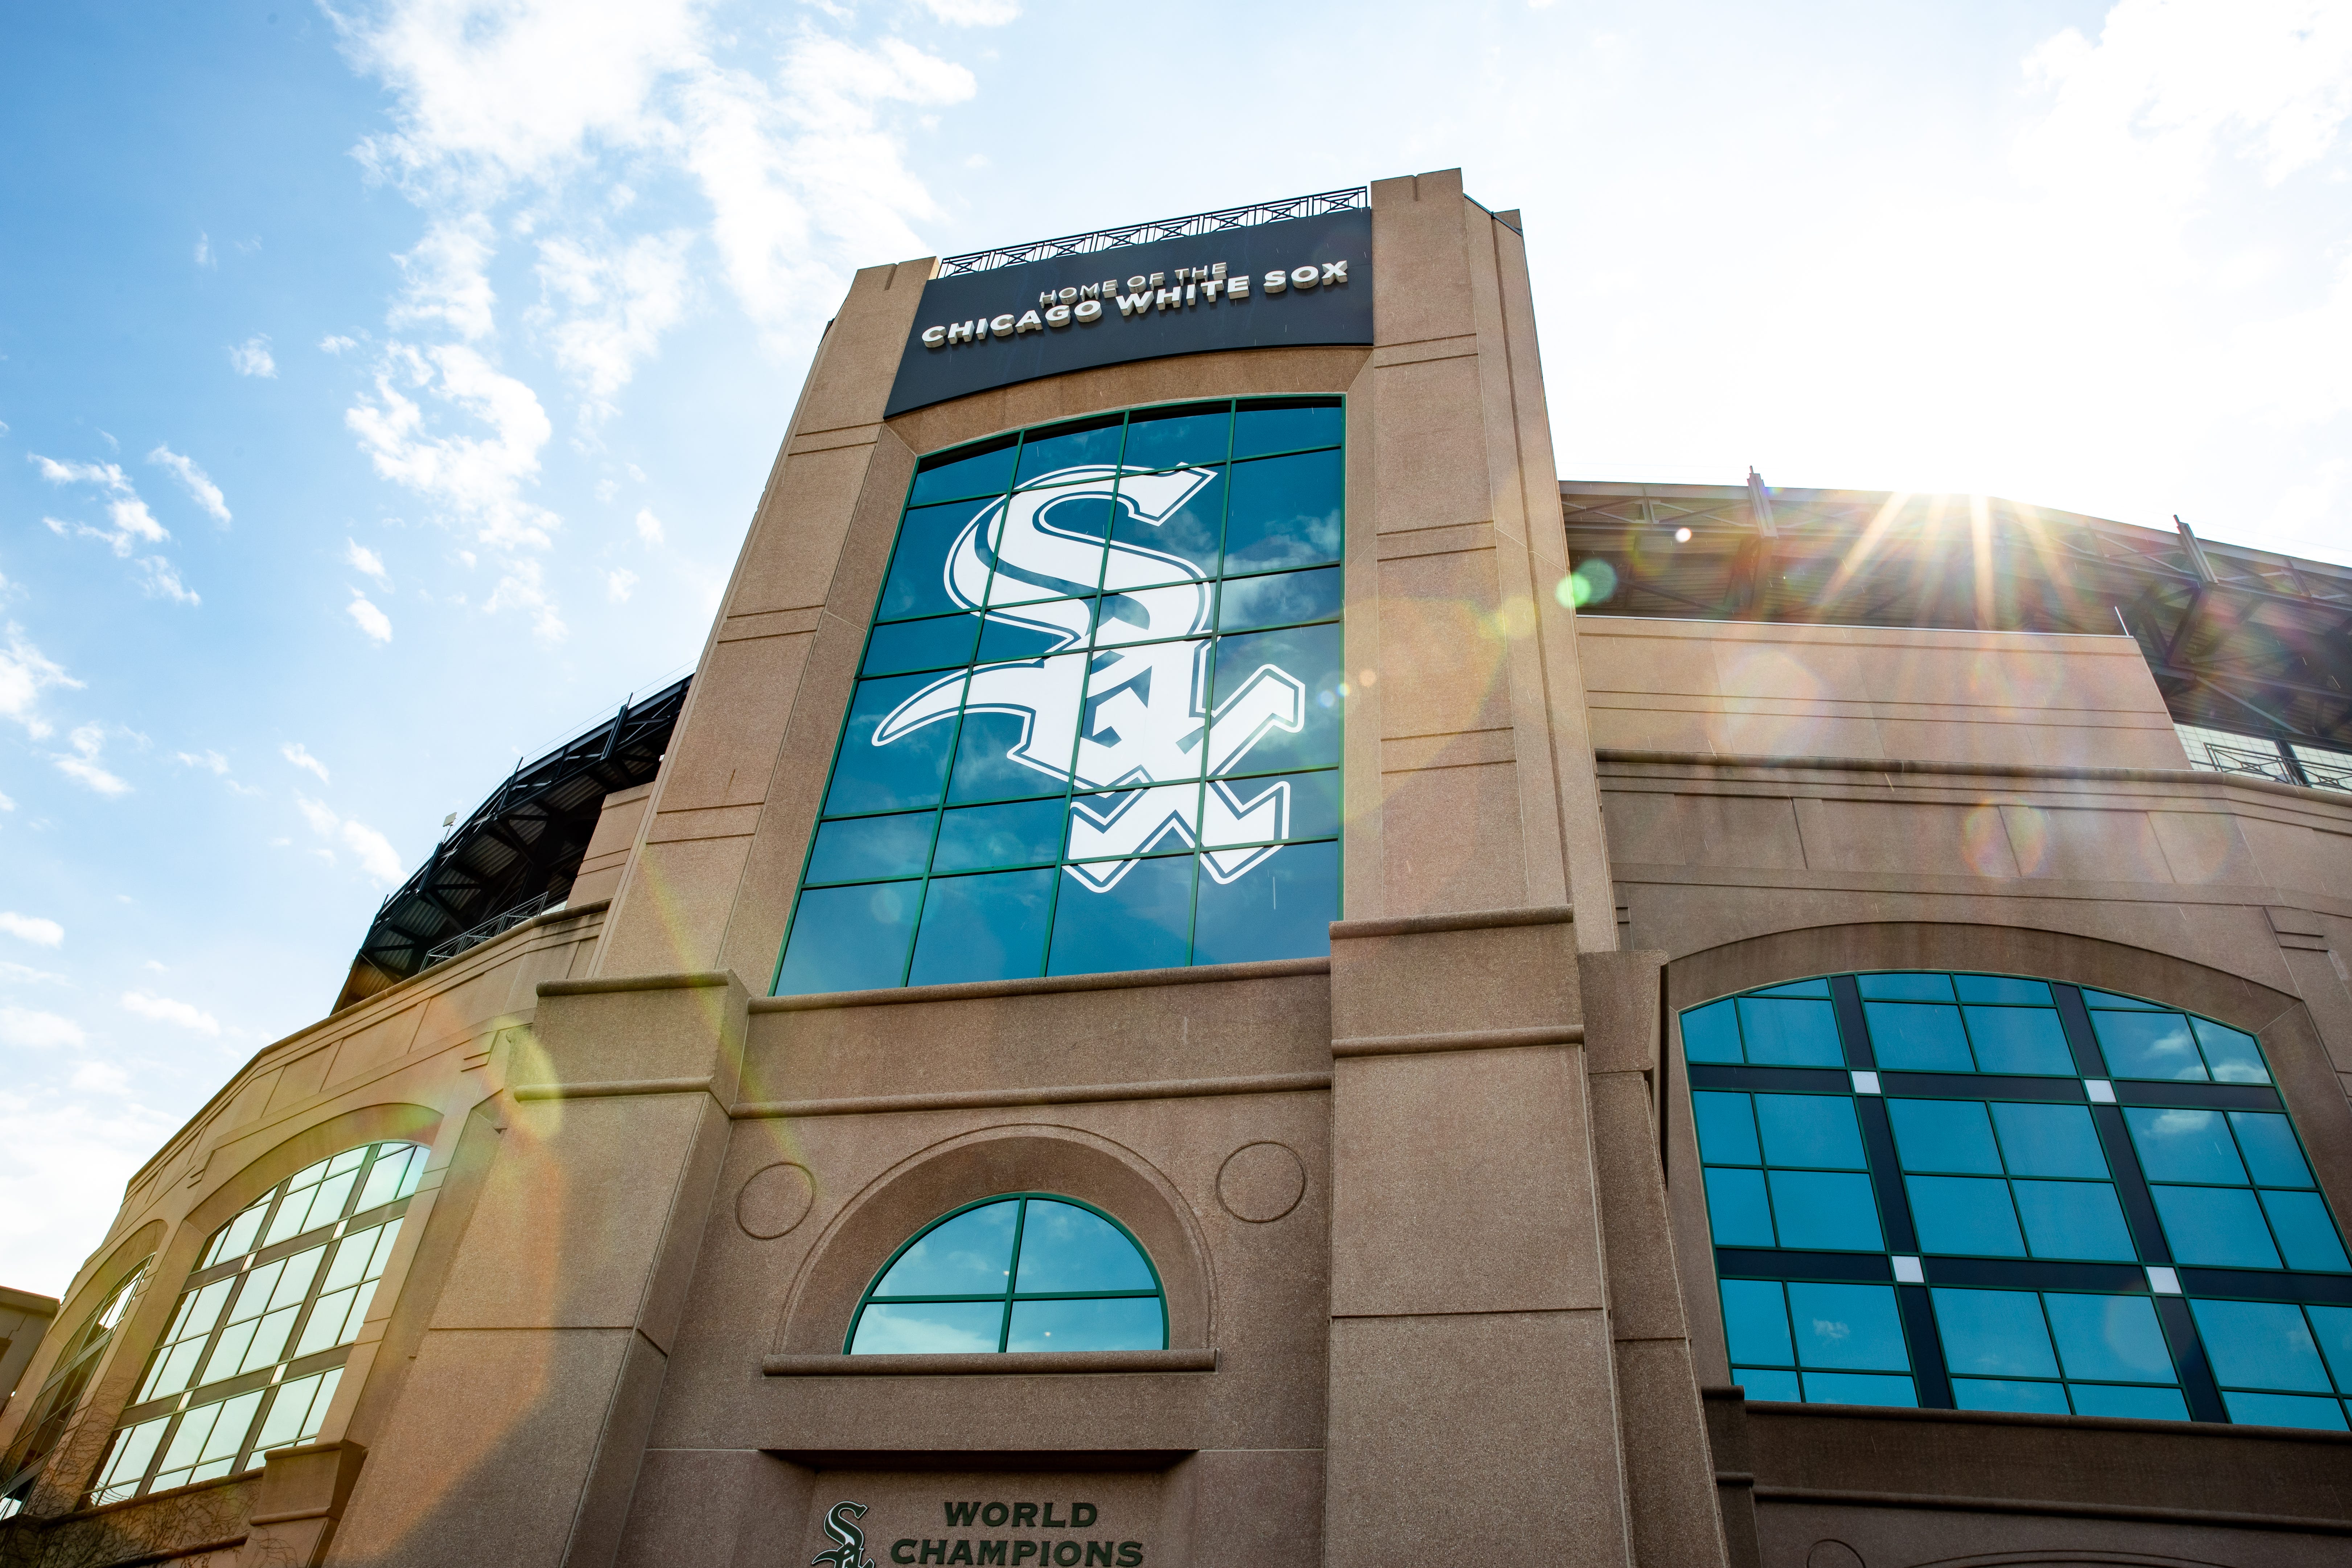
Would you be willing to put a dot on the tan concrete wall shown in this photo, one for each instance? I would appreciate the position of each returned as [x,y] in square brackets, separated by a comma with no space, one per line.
[1749,689]
[599,877]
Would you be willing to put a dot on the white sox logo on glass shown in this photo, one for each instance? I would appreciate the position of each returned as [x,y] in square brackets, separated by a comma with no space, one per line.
[1116,704]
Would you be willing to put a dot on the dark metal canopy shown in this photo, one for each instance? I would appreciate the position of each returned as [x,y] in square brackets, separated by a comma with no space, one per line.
[519,851]
[2239,639]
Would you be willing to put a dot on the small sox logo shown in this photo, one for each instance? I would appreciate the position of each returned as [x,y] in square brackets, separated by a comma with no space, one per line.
[851,1551]
[1116,704]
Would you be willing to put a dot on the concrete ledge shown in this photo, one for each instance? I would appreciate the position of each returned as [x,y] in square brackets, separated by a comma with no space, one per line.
[610,1090]
[1071,1094]
[1465,1040]
[632,982]
[1044,985]
[2175,776]
[1472,919]
[1012,1362]
[1954,1504]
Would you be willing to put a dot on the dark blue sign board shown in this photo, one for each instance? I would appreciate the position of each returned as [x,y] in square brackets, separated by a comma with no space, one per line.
[1277,285]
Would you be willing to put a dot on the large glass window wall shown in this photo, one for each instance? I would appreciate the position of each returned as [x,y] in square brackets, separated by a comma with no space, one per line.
[1097,719]
[1993,1193]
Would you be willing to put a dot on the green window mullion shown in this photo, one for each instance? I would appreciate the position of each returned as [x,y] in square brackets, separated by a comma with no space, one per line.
[1020,1224]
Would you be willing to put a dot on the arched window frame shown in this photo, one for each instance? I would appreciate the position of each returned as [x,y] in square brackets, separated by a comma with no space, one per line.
[61,1391]
[2200,1303]
[1012,1293]
[306,1258]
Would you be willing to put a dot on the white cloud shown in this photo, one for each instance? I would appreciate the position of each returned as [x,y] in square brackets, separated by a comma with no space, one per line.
[98,1078]
[448,280]
[32,928]
[376,855]
[108,475]
[619,584]
[6,804]
[480,480]
[360,557]
[649,527]
[165,1010]
[205,251]
[371,620]
[198,483]
[83,765]
[295,752]
[996,13]
[520,587]
[64,1162]
[212,761]
[609,310]
[25,674]
[160,579]
[29,975]
[252,356]
[132,521]
[334,343]
[29,1030]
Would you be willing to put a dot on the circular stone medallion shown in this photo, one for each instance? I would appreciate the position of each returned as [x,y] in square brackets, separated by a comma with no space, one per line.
[1261,1181]
[774,1200]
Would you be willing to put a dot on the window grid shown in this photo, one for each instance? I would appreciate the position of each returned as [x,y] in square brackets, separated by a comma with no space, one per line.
[60,1393]
[1876,1184]
[1252,435]
[257,1343]
[1013,1293]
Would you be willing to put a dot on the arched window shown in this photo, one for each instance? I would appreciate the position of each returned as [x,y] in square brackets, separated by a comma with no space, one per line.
[1023,1271]
[1998,1193]
[264,1325]
[58,1397]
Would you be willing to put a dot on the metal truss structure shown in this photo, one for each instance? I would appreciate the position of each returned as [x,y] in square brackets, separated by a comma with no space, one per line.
[519,851]
[1217,222]
[2242,640]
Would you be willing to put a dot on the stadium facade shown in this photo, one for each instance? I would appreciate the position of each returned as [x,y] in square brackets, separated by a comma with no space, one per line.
[1214,967]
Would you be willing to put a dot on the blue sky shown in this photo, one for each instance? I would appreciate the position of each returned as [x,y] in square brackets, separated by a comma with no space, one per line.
[385,388]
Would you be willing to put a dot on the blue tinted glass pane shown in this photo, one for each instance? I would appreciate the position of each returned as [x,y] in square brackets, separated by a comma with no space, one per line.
[907,769]
[1756,1322]
[2074,1219]
[867,848]
[1143,920]
[1856,1388]
[1278,599]
[917,582]
[2109,1337]
[1153,614]
[1917,1038]
[1028,832]
[1286,426]
[2147,1045]
[1944,1135]
[1985,1394]
[1016,633]
[2260,1344]
[968,1256]
[2306,1235]
[1850,1326]
[983,472]
[1964,1215]
[1065,1247]
[1284,512]
[1280,907]
[2177,1144]
[1791,1034]
[990,927]
[2002,988]
[1266,682]
[1287,805]
[1711,1034]
[1726,1129]
[2221,1227]
[1173,438]
[1906,987]
[1017,740]
[1041,544]
[1737,1213]
[2130,1404]
[1119,825]
[849,939]
[2270,1149]
[2018,1041]
[941,642]
[2232,1054]
[2113,999]
[1796,988]
[1809,1129]
[1761,1383]
[2048,1140]
[1824,1211]
[1045,453]
[2332,1326]
[1166,528]
[1994,1334]
[1134,1323]
[2282,1410]
[933,1328]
